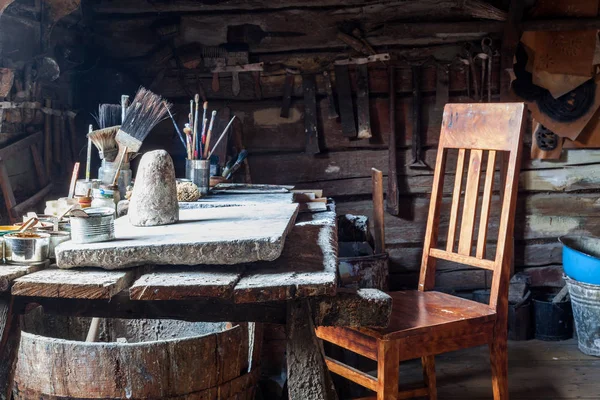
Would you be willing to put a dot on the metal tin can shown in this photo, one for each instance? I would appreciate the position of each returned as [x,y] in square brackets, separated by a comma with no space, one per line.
[23,248]
[198,171]
[99,226]
[56,238]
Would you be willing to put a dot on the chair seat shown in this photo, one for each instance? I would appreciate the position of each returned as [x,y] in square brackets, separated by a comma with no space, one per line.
[415,312]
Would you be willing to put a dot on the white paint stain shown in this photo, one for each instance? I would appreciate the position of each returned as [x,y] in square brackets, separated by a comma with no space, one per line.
[332,169]
[552,225]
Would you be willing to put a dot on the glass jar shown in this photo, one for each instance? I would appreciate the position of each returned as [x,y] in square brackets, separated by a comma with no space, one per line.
[106,174]
[103,198]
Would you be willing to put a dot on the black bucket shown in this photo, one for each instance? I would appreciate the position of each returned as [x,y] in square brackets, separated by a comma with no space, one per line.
[553,321]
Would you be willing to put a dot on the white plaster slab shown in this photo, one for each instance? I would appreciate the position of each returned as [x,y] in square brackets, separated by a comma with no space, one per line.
[204,236]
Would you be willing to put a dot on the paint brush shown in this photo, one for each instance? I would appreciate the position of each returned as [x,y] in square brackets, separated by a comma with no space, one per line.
[195,142]
[88,160]
[109,115]
[188,134]
[175,125]
[104,140]
[146,111]
[124,105]
[230,171]
[208,135]
[204,123]
[191,116]
[221,137]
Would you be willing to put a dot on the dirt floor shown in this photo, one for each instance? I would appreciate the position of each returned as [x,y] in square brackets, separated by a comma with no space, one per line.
[537,370]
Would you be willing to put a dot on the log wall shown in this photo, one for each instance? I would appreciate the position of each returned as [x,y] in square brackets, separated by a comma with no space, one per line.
[556,197]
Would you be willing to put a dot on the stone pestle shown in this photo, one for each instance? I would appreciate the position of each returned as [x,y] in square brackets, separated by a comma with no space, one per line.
[154,198]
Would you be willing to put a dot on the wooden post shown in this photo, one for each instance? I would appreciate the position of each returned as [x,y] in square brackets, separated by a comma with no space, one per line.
[308,376]
[377,178]
[393,197]
[510,40]
[10,337]
[48,139]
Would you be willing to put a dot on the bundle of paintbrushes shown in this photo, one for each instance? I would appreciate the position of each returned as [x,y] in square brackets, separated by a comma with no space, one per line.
[109,120]
[197,133]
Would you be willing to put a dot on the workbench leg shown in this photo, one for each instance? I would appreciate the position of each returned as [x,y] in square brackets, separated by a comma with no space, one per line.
[308,376]
[10,337]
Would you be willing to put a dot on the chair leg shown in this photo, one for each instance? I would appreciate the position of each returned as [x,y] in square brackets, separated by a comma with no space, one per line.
[428,363]
[499,361]
[388,366]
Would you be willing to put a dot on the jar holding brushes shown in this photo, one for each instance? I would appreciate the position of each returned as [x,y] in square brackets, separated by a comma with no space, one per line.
[197,141]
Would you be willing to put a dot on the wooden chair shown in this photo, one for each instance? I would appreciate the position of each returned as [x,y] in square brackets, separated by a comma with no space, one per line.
[425,322]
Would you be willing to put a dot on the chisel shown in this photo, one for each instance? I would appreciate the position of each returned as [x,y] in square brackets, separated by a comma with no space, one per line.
[344,94]
[362,101]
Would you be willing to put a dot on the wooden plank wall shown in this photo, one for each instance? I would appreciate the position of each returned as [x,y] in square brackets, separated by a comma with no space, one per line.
[556,198]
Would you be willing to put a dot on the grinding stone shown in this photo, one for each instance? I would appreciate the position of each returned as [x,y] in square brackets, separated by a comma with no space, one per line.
[154,198]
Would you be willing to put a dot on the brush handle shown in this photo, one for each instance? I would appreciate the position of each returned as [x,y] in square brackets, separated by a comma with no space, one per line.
[74,180]
[209,134]
[124,104]
[88,164]
[175,125]
[195,141]
[118,172]
[222,136]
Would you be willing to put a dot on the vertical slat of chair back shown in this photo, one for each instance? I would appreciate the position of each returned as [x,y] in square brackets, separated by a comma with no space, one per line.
[478,132]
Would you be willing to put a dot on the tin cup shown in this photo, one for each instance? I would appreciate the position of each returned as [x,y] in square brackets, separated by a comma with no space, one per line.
[198,171]
[98,226]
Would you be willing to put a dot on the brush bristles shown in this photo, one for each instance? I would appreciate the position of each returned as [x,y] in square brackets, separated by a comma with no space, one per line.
[145,112]
[104,140]
[108,115]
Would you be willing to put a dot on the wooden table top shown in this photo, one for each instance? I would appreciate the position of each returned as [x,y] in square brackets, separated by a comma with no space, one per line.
[306,269]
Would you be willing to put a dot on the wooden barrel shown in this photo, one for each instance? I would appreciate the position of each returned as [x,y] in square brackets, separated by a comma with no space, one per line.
[209,366]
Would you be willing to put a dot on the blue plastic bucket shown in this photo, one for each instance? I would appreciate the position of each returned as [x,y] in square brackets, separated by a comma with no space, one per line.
[581,258]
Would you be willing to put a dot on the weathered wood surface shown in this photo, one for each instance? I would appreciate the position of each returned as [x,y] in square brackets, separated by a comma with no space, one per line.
[222,236]
[76,284]
[202,366]
[166,284]
[307,266]
[308,376]
[8,273]
[365,307]
[10,335]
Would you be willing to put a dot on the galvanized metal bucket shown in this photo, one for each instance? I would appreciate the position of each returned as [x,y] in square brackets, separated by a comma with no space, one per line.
[99,226]
[585,299]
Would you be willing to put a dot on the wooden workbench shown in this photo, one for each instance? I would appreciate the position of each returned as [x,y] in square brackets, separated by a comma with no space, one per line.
[298,289]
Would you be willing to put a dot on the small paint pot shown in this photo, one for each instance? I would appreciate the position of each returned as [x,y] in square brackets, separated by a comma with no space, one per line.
[25,248]
[98,226]
[56,238]
[198,171]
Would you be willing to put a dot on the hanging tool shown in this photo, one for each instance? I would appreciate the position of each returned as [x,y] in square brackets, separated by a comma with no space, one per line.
[344,93]
[357,44]
[393,196]
[331,111]
[235,71]
[468,56]
[288,89]
[486,46]
[309,88]
[213,57]
[417,161]
[362,102]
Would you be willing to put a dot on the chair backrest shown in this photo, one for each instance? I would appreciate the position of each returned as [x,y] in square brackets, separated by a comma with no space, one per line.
[482,136]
